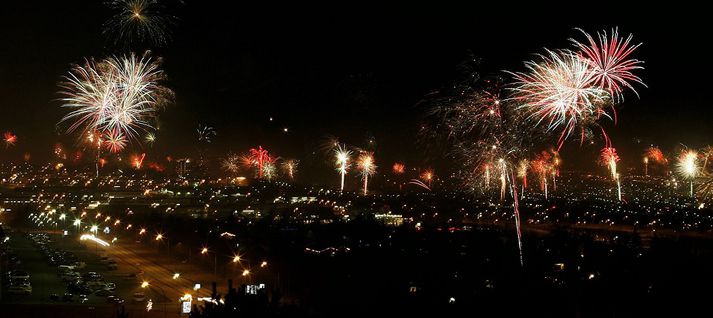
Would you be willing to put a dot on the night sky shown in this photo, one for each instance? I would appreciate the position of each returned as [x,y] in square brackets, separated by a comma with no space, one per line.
[355,71]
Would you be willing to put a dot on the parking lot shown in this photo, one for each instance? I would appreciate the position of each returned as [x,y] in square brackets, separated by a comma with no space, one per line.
[62,270]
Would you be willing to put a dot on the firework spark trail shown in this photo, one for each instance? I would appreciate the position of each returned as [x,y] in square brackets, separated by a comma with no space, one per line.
[342,155]
[706,153]
[516,207]
[367,168]
[419,183]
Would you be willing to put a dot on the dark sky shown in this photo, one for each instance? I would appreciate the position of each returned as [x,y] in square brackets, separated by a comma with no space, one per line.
[354,71]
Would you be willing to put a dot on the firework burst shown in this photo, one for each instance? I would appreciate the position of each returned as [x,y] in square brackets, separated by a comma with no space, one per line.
[121,95]
[231,163]
[571,90]
[398,168]
[342,156]
[260,157]
[609,61]
[427,176]
[150,139]
[205,133]
[115,141]
[558,91]
[139,21]
[687,166]
[9,138]
[367,168]
[609,158]
[289,168]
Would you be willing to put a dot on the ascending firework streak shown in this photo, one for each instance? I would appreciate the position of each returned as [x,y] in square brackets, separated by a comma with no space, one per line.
[646,166]
[502,167]
[486,175]
[342,155]
[609,158]
[366,166]
[687,166]
[555,170]
[522,168]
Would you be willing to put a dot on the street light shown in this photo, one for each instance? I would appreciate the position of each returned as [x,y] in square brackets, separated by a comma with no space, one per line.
[176,275]
[263,264]
[236,258]
[144,284]
[159,237]
[204,251]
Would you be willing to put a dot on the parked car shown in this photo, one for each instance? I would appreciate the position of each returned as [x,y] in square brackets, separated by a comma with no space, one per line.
[77,287]
[95,284]
[114,299]
[139,296]
[71,276]
[18,274]
[20,282]
[110,286]
[112,265]
[19,290]
[65,268]
[104,293]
